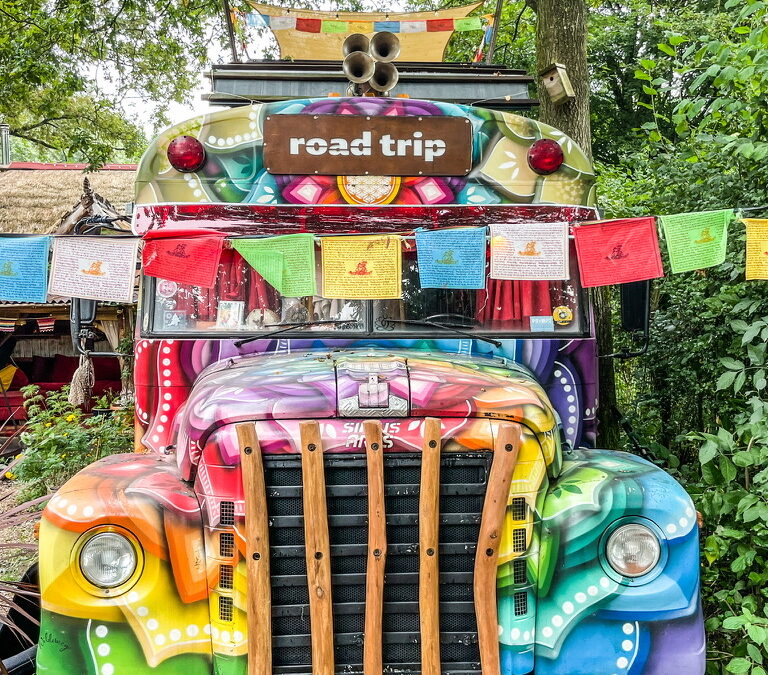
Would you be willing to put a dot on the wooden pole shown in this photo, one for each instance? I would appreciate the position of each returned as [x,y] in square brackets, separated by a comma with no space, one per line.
[230,31]
[494,31]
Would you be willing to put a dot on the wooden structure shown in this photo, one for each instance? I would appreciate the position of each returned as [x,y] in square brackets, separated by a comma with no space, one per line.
[38,198]
[318,549]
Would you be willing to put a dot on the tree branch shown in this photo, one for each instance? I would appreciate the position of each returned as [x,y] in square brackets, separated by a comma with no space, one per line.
[47,120]
[34,140]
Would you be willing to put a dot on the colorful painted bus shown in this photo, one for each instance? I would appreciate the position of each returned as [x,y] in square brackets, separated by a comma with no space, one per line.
[357,485]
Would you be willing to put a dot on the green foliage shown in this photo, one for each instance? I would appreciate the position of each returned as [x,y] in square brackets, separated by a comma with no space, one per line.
[700,393]
[68,66]
[60,440]
[732,494]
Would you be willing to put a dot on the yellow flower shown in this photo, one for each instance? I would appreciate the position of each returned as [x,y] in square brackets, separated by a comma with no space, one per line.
[47,424]
[9,475]
[70,418]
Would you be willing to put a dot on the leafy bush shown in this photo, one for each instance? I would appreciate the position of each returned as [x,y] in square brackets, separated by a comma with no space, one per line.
[60,439]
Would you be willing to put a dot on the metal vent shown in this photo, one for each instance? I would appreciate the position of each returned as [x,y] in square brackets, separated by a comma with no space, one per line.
[226,577]
[463,483]
[225,609]
[521,603]
[519,540]
[519,575]
[226,544]
[227,513]
[519,510]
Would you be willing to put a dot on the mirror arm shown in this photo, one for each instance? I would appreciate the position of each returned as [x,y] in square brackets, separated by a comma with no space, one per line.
[81,335]
[88,225]
[626,354]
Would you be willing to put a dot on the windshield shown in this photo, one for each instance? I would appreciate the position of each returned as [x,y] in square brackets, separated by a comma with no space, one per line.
[242,303]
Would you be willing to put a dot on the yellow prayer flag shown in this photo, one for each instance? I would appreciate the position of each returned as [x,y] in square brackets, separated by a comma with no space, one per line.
[360,27]
[361,268]
[757,247]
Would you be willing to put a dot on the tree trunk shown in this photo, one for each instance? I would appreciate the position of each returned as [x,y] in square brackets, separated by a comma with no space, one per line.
[561,37]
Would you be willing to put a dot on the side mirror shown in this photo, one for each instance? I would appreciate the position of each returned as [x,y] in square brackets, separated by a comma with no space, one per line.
[635,316]
[82,314]
[84,310]
[636,306]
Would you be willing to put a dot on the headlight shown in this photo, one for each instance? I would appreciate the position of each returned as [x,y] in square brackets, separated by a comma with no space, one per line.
[633,550]
[108,560]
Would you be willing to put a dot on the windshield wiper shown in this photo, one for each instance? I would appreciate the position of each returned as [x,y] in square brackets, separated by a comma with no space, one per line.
[286,327]
[444,326]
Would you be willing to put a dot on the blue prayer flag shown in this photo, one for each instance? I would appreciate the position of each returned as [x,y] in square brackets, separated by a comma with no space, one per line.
[391,26]
[451,258]
[24,268]
[256,20]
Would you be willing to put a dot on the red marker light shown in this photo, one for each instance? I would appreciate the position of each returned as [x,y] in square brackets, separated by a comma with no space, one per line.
[186,154]
[545,156]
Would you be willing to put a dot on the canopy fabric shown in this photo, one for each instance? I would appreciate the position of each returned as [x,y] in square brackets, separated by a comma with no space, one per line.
[426,46]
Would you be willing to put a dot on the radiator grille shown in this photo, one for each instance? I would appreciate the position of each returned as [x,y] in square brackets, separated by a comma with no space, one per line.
[519,543]
[226,544]
[519,575]
[225,609]
[227,516]
[519,510]
[463,484]
[521,603]
[226,577]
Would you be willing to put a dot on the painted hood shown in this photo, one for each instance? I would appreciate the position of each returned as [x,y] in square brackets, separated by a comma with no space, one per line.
[363,384]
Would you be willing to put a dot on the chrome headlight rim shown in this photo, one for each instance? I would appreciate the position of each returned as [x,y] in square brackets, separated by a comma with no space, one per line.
[83,579]
[652,573]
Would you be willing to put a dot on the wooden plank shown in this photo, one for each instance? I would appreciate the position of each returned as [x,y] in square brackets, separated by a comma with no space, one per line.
[377,549]
[429,522]
[259,603]
[505,454]
[318,550]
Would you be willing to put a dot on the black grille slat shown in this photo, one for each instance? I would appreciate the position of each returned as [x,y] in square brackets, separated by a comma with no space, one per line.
[462,492]
[339,520]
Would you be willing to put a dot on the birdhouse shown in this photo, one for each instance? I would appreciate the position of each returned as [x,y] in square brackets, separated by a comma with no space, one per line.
[557,84]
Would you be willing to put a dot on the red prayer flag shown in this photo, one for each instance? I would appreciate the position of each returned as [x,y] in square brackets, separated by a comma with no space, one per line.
[192,260]
[438,25]
[309,25]
[618,251]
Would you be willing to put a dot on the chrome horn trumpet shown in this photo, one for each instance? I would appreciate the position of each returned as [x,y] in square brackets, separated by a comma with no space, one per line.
[357,42]
[367,62]
[384,46]
[385,77]
[359,67]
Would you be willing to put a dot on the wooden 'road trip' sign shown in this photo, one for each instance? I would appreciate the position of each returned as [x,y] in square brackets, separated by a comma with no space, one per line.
[352,145]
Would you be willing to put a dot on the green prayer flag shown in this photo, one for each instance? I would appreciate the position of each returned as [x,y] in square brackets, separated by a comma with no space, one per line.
[286,262]
[333,27]
[696,240]
[471,23]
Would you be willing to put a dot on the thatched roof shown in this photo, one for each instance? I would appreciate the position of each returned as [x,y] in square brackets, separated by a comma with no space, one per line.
[50,198]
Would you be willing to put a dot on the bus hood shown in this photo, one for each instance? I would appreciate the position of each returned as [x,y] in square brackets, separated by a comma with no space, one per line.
[369,383]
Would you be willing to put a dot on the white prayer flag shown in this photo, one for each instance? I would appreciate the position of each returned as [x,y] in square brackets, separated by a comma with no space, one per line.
[529,251]
[413,26]
[95,268]
[282,22]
